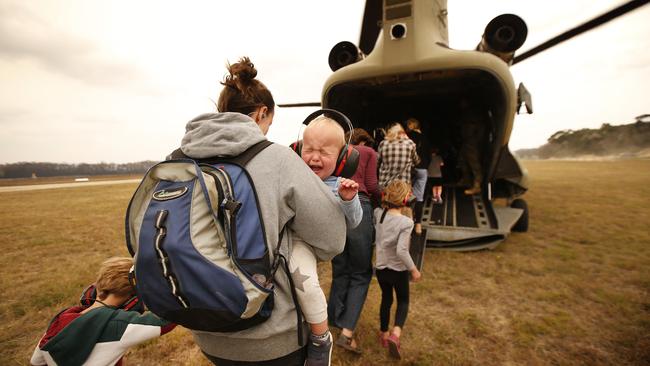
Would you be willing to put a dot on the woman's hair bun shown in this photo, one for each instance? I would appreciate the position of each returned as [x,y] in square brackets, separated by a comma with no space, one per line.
[244,70]
[243,93]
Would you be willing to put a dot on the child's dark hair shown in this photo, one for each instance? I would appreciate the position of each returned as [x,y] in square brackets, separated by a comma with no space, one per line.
[242,92]
[396,194]
[360,135]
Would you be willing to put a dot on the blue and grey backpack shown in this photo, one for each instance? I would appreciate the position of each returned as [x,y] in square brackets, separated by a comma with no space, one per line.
[196,232]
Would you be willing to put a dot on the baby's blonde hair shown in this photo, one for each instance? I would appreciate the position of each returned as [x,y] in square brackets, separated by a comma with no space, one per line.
[113,278]
[395,194]
[328,122]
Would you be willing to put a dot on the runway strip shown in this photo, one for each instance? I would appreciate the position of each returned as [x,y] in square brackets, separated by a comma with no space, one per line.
[36,187]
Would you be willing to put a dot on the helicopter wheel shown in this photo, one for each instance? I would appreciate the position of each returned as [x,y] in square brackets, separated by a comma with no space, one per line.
[522,224]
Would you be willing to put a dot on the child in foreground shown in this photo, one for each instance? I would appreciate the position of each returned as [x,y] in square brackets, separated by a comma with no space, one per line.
[322,142]
[394,264]
[102,333]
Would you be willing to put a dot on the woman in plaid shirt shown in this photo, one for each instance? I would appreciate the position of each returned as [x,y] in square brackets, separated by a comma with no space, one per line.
[397,156]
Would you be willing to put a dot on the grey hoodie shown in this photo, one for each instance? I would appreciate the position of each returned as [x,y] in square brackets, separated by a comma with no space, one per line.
[288,191]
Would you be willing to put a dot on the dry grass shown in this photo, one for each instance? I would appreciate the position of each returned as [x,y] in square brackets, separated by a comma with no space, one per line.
[572,291]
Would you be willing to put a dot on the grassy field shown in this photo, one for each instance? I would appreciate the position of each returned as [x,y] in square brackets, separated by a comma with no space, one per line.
[574,290]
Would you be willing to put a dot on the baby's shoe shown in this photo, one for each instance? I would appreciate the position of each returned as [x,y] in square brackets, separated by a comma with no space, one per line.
[319,350]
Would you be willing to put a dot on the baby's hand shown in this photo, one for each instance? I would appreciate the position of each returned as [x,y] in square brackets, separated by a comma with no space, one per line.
[348,189]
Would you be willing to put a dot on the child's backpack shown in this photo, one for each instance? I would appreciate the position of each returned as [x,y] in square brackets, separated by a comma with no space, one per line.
[197,236]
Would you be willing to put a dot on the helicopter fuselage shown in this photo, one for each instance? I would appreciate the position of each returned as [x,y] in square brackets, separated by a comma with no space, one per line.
[411,72]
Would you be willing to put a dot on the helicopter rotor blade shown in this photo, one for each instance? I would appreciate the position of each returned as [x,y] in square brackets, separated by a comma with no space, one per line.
[370,25]
[599,20]
[292,105]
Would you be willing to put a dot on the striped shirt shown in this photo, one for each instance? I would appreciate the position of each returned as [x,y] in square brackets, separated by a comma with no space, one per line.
[396,158]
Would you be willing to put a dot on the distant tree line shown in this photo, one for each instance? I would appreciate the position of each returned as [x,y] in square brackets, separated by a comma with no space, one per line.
[629,140]
[29,169]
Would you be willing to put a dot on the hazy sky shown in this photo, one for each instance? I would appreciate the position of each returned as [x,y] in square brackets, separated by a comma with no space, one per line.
[116,81]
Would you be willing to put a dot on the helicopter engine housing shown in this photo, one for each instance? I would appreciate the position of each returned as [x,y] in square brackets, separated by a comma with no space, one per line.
[503,36]
[343,54]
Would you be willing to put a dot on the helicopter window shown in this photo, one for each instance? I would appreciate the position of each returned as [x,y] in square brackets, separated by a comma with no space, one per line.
[395,2]
[402,11]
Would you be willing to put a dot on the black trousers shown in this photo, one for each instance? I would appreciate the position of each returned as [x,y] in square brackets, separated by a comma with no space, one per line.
[390,280]
[296,358]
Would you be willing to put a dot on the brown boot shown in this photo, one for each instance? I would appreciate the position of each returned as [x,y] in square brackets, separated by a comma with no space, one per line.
[476,189]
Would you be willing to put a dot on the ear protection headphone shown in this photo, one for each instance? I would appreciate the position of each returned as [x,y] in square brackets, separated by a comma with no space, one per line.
[89,296]
[348,159]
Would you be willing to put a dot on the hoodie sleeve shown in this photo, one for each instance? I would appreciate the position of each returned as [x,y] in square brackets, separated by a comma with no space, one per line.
[317,219]
[137,328]
[352,211]
[37,358]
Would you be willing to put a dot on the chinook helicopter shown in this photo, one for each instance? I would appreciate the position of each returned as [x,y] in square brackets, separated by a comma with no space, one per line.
[404,67]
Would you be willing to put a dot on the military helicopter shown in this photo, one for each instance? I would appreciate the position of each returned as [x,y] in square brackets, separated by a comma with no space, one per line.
[404,67]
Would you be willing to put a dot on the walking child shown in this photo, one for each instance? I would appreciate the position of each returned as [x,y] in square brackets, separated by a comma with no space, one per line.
[394,265]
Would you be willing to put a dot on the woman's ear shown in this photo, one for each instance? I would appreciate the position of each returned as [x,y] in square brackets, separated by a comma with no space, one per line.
[260,114]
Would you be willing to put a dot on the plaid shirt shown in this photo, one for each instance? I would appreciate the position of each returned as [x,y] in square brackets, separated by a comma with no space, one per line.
[396,158]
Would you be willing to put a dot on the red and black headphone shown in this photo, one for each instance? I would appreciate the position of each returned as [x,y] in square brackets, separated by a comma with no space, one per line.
[348,159]
[89,296]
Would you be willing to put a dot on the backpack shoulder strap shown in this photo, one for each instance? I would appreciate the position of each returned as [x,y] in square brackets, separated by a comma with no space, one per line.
[279,260]
[243,158]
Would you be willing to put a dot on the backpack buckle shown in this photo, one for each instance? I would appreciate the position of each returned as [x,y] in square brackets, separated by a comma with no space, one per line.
[232,206]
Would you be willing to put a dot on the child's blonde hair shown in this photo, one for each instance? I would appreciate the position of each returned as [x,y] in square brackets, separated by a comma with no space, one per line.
[396,194]
[326,121]
[113,278]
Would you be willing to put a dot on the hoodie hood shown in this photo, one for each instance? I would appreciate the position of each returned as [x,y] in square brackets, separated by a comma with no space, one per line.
[220,134]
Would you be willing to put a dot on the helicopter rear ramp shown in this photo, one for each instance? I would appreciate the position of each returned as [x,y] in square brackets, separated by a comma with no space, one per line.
[466,222]
[417,248]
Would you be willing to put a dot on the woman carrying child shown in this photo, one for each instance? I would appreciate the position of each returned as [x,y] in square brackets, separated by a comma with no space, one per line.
[290,195]
[394,265]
